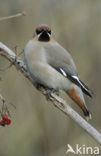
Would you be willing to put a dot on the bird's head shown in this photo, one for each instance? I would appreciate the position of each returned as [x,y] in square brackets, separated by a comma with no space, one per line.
[42,33]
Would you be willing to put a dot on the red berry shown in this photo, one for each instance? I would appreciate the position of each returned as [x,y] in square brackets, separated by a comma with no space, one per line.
[4,117]
[5,120]
[1,122]
[8,121]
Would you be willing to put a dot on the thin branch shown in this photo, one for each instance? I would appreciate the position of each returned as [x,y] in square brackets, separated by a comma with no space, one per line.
[13,16]
[56,100]
[2,99]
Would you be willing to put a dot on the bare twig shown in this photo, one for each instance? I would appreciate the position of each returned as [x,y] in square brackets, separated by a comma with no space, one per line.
[13,16]
[56,100]
[2,99]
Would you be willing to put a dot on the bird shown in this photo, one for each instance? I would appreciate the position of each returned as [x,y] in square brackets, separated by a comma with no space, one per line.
[52,66]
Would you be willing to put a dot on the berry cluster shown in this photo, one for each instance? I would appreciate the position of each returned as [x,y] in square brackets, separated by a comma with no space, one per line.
[5,120]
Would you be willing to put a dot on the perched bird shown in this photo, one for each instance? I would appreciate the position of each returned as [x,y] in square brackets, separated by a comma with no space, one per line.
[50,65]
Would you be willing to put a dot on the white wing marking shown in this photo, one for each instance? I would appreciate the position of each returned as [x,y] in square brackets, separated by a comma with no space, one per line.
[63,72]
[75,77]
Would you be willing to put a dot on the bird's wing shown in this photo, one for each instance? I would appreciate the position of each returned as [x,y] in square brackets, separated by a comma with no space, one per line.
[75,79]
[63,63]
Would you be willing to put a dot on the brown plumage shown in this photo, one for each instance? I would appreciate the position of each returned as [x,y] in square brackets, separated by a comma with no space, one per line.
[75,97]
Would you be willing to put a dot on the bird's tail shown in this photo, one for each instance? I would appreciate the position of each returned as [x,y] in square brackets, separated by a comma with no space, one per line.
[73,94]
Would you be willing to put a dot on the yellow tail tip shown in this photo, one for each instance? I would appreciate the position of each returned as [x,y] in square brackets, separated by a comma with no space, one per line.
[89,117]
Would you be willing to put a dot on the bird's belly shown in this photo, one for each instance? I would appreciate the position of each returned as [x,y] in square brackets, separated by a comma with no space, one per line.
[46,75]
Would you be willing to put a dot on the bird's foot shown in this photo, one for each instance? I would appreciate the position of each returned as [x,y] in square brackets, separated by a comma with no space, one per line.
[50,91]
[39,86]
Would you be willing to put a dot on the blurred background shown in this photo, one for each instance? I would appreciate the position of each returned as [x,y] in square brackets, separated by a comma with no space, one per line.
[38,128]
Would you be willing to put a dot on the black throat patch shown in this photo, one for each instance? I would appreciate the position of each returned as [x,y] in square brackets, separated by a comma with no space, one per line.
[44,37]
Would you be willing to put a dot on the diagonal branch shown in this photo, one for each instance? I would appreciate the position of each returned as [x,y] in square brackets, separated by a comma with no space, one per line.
[56,100]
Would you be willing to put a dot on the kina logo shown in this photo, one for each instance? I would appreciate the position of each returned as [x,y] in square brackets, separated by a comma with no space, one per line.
[82,149]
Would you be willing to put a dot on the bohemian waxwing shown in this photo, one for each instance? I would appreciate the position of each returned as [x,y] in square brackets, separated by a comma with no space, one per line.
[50,65]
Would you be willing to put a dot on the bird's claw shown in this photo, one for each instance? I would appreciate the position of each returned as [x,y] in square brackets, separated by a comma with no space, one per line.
[39,86]
[49,92]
